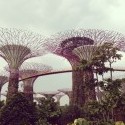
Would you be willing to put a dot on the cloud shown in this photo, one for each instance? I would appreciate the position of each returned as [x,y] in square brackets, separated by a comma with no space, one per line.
[48,17]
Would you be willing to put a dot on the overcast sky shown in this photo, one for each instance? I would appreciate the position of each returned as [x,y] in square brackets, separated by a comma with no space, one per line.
[50,16]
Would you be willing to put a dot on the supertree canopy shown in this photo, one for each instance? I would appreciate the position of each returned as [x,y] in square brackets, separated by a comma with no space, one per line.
[68,92]
[86,52]
[49,94]
[30,69]
[16,46]
[63,44]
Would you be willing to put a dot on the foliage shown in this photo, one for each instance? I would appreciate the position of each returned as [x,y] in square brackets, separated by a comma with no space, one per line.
[106,53]
[113,102]
[69,113]
[81,121]
[1,104]
[18,110]
[42,122]
[48,110]
[119,123]
[101,111]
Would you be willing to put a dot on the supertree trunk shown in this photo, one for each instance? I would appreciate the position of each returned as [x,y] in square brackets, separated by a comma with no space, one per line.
[89,81]
[78,96]
[13,83]
[28,88]
[83,88]
[28,93]
[86,81]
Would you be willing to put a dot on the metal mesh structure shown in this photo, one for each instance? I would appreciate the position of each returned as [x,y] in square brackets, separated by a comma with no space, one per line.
[63,44]
[85,52]
[30,69]
[68,92]
[49,94]
[16,46]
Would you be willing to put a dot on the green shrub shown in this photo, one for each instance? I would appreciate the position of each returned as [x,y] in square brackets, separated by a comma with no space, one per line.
[18,111]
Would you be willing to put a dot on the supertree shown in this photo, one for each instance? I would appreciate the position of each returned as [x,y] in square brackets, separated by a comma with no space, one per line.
[16,46]
[30,69]
[63,44]
[86,53]
[58,97]
[68,92]
[49,94]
